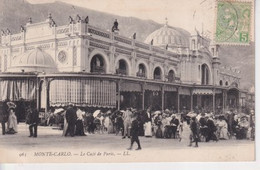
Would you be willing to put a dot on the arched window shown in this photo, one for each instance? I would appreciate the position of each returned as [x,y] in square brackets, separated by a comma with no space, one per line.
[97,64]
[171,76]
[122,67]
[141,71]
[205,74]
[157,74]
[226,83]
[221,83]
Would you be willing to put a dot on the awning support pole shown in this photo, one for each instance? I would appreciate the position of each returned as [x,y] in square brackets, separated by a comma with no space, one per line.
[178,99]
[191,100]
[118,94]
[143,93]
[162,97]
[213,100]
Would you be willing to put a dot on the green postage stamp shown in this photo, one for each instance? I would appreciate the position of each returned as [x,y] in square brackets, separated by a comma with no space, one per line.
[233,22]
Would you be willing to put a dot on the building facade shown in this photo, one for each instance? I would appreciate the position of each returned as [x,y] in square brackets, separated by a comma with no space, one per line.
[90,67]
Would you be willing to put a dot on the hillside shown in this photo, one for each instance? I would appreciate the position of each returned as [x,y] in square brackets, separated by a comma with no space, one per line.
[14,13]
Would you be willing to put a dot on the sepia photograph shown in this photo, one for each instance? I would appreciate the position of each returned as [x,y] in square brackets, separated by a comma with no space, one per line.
[119,81]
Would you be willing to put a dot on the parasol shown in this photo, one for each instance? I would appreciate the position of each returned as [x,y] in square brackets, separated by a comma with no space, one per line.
[157,112]
[58,110]
[96,113]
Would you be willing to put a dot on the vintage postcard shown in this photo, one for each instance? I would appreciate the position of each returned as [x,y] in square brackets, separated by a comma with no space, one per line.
[87,81]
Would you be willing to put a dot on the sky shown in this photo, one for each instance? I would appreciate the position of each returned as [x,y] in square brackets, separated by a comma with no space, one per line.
[186,14]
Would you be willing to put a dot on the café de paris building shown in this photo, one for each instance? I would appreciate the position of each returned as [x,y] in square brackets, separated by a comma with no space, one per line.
[90,67]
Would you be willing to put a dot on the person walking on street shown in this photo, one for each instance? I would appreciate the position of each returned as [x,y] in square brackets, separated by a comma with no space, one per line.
[194,127]
[134,133]
[127,122]
[79,123]
[32,120]
[71,118]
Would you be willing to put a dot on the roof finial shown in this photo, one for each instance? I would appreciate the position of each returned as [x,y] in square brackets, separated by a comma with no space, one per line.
[166,21]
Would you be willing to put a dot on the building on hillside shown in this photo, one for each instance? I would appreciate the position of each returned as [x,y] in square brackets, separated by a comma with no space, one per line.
[90,67]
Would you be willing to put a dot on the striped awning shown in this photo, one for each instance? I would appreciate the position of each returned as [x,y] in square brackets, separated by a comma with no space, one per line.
[184,91]
[130,87]
[152,87]
[218,91]
[170,88]
[16,89]
[83,92]
[202,91]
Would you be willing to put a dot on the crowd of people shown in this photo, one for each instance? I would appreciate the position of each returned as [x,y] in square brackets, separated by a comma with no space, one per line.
[131,123]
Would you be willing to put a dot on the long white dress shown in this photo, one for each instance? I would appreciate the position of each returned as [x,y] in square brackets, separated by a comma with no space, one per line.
[223,129]
[12,122]
[148,128]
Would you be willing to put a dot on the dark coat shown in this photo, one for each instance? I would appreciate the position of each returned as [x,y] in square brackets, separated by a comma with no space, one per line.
[194,126]
[135,128]
[71,115]
[175,121]
[211,125]
[3,112]
[203,121]
[147,118]
[32,117]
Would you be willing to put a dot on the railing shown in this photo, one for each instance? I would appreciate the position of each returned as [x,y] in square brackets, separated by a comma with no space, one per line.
[157,77]
[121,71]
[62,30]
[138,74]
[98,69]
[16,37]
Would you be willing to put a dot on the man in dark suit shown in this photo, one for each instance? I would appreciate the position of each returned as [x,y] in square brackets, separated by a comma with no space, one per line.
[134,133]
[3,115]
[33,120]
[71,117]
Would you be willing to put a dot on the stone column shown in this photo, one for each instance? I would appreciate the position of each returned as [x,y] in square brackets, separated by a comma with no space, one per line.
[191,100]
[118,93]
[143,93]
[213,100]
[162,89]
[38,98]
[46,88]
[178,99]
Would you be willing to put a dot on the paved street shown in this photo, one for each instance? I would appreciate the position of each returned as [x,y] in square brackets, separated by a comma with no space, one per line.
[112,148]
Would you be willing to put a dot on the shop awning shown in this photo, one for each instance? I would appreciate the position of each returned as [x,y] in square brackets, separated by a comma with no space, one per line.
[153,87]
[16,89]
[83,92]
[170,88]
[202,91]
[184,91]
[130,87]
[218,91]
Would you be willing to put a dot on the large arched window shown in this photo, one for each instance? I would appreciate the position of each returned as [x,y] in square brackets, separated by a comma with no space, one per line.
[98,64]
[122,67]
[171,76]
[141,71]
[204,74]
[157,74]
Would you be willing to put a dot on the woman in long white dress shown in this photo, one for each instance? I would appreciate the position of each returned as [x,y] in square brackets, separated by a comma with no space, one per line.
[223,129]
[12,122]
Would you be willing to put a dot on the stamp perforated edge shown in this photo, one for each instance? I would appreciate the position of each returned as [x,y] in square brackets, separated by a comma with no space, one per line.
[251,26]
